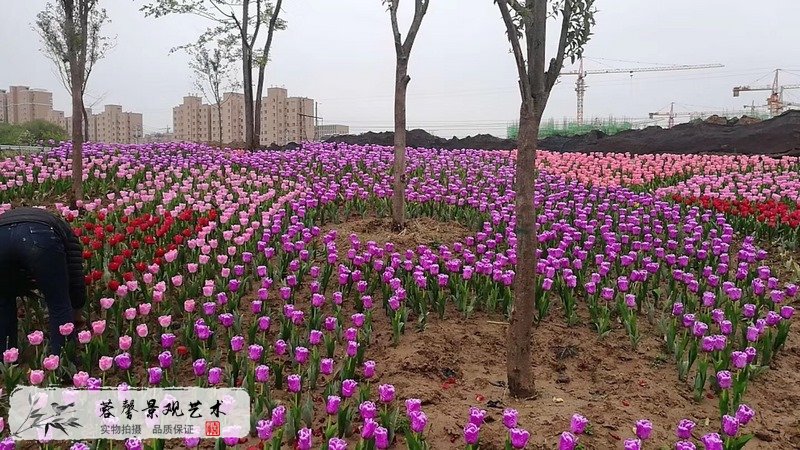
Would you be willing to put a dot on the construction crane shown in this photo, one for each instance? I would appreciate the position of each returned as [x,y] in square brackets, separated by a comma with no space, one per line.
[580,83]
[775,102]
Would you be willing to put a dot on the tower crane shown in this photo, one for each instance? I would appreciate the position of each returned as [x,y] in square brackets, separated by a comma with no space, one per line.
[580,83]
[775,102]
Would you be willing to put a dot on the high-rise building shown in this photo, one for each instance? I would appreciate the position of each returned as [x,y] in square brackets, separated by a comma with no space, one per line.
[326,131]
[286,119]
[232,109]
[113,126]
[191,120]
[21,104]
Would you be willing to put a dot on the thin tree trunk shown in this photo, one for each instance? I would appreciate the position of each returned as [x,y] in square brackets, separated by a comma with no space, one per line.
[259,93]
[86,136]
[219,121]
[520,330]
[76,85]
[399,186]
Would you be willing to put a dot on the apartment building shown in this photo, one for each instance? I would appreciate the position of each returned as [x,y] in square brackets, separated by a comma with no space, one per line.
[326,131]
[21,104]
[232,108]
[113,125]
[191,120]
[284,119]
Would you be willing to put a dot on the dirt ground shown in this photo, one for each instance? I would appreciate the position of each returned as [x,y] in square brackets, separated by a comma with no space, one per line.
[457,363]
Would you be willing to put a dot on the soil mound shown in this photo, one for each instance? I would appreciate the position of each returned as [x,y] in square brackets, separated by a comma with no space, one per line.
[779,136]
[421,138]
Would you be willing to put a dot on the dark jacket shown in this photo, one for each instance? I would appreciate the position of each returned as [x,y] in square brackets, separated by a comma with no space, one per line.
[72,246]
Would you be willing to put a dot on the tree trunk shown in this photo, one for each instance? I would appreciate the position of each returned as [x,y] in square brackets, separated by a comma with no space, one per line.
[259,93]
[86,136]
[399,186]
[249,118]
[219,120]
[520,331]
[76,85]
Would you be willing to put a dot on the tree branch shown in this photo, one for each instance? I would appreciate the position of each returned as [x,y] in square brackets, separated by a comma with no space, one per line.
[273,21]
[398,39]
[512,34]
[420,8]
[557,63]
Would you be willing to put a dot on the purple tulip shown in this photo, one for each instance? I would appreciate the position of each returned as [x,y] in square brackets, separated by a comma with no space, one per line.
[578,424]
[278,416]
[477,416]
[301,355]
[744,414]
[471,432]
[304,439]
[787,312]
[254,352]
[510,418]
[368,429]
[386,393]
[632,444]
[685,445]
[332,404]
[199,367]
[712,441]
[293,383]
[326,366]
[315,337]
[381,438]
[280,347]
[518,437]
[154,375]
[413,404]
[237,343]
[684,429]
[730,425]
[567,441]
[348,388]
[644,428]
[418,421]
[369,369]
[214,376]
[262,373]
[165,359]
[336,443]
[724,379]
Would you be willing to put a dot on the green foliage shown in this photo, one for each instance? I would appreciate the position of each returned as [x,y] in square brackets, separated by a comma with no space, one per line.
[30,133]
[573,129]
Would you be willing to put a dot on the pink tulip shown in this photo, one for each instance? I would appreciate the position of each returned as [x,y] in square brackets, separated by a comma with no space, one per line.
[36,377]
[98,327]
[105,363]
[51,362]
[125,343]
[106,303]
[36,338]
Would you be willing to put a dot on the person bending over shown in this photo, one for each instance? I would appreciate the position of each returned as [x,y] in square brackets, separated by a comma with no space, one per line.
[39,250]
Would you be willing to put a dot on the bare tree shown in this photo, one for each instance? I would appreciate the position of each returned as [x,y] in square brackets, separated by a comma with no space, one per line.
[402,50]
[525,22]
[70,33]
[238,24]
[211,69]
[275,23]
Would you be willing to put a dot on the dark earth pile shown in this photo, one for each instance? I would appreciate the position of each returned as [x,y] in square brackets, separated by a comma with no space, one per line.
[778,136]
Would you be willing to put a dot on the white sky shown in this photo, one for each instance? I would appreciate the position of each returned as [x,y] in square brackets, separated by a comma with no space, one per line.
[340,53]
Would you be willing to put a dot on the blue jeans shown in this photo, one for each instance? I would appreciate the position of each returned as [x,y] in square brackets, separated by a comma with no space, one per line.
[37,251]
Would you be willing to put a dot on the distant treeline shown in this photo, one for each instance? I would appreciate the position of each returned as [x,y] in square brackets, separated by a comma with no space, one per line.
[30,133]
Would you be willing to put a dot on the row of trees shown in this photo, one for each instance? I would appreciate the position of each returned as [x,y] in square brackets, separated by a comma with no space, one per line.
[243,30]
[31,133]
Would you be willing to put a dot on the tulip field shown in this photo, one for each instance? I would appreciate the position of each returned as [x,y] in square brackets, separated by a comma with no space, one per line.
[666,282]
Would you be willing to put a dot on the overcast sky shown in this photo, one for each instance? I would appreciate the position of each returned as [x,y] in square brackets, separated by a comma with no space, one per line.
[340,53]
